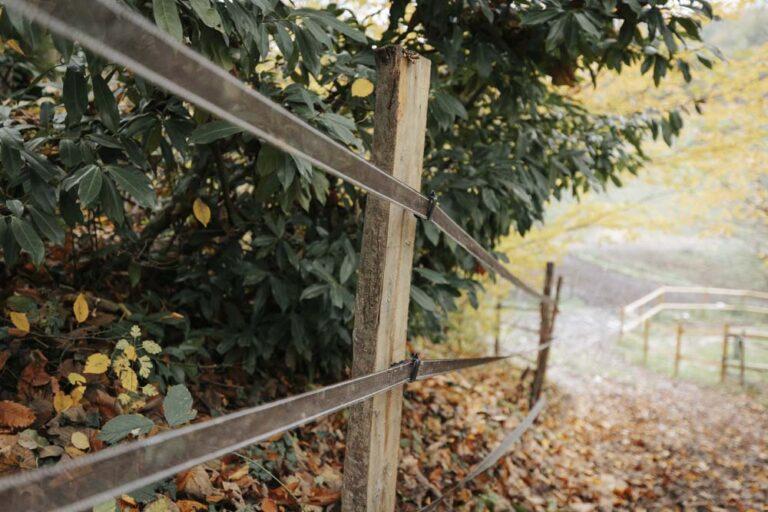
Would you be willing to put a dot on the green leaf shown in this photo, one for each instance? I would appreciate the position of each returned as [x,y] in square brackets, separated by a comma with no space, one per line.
[120,427]
[313,290]
[166,14]
[28,239]
[111,202]
[333,22]
[105,102]
[215,130]
[177,406]
[134,183]
[539,17]
[48,225]
[283,40]
[422,299]
[207,13]
[75,94]
[347,267]
[435,277]
[90,185]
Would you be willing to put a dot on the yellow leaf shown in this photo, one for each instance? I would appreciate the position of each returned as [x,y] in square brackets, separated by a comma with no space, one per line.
[20,320]
[96,363]
[77,394]
[129,380]
[201,211]
[362,87]
[75,378]
[14,45]
[130,352]
[80,307]
[80,441]
[62,401]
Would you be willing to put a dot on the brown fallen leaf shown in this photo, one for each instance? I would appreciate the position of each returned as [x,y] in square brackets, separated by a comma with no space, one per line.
[267,505]
[15,415]
[190,506]
[195,482]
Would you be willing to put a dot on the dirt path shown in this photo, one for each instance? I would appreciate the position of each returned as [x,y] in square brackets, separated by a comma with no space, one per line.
[629,439]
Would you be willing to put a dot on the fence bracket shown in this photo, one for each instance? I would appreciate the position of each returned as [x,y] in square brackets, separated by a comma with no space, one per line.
[416,360]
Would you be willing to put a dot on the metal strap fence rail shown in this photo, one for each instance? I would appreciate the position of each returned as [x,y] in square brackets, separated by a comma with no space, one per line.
[125,37]
[127,467]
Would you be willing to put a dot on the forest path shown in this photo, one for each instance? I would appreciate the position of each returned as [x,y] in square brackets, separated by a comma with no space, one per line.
[629,439]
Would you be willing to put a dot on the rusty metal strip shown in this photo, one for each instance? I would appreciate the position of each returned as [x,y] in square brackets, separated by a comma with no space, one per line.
[493,457]
[125,37]
[431,367]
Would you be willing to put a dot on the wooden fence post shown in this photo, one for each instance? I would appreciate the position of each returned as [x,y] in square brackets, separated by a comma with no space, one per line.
[384,281]
[678,348]
[646,329]
[548,314]
[742,357]
[622,319]
[497,341]
[724,360]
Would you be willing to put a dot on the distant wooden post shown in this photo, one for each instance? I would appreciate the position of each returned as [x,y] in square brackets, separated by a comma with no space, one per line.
[384,281]
[622,318]
[724,360]
[742,357]
[678,348]
[497,341]
[646,328]
[548,315]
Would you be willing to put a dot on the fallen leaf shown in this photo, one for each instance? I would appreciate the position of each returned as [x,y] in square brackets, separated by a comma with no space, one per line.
[20,321]
[267,505]
[62,401]
[15,415]
[201,211]
[195,482]
[190,506]
[362,87]
[75,378]
[96,363]
[80,440]
[80,308]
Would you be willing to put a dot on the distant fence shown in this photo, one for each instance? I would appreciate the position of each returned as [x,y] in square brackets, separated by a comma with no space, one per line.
[734,338]
[634,314]
[379,372]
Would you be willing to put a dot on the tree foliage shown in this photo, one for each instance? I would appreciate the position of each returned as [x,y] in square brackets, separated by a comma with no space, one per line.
[109,181]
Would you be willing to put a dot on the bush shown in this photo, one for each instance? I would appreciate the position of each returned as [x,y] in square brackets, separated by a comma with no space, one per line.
[114,185]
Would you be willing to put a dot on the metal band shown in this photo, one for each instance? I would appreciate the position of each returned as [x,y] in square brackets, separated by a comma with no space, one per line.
[87,481]
[493,457]
[125,37]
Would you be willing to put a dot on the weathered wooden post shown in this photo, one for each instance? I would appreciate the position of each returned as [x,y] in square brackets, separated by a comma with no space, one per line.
[548,311]
[724,360]
[622,319]
[497,341]
[646,329]
[742,356]
[678,348]
[384,281]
